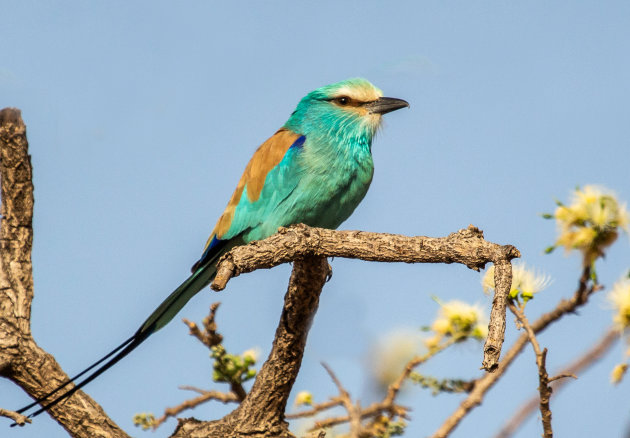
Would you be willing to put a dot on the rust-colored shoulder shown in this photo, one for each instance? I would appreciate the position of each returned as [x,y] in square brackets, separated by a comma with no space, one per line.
[266,157]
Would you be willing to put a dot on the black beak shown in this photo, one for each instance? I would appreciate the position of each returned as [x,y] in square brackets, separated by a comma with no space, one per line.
[386,105]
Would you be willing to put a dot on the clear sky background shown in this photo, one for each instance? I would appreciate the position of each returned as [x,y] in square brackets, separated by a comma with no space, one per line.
[142,115]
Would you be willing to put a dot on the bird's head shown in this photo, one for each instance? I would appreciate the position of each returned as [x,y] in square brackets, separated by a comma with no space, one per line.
[349,108]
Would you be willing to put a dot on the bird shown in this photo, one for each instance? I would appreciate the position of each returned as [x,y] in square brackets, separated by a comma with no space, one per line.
[314,170]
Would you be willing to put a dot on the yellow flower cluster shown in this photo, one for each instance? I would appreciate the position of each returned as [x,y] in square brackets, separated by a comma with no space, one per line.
[525,282]
[144,420]
[619,297]
[591,222]
[304,398]
[459,320]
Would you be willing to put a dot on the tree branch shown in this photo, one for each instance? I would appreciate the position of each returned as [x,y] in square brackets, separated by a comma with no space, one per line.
[262,412]
[21,359]
[544,389]
[466,247]
[19,419]
[223,397]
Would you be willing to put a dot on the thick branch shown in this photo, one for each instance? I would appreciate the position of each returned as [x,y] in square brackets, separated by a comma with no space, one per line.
[21,360]
[262,412]
[467,247]
[16,237]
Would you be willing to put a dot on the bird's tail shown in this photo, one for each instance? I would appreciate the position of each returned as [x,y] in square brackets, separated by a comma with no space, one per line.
[201,277]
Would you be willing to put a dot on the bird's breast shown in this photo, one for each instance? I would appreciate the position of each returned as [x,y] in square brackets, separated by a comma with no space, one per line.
[335,180]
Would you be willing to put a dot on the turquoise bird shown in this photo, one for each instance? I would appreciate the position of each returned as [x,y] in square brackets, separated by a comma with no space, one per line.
[314,170]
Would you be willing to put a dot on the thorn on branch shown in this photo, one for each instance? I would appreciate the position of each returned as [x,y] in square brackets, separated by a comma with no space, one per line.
[562,376]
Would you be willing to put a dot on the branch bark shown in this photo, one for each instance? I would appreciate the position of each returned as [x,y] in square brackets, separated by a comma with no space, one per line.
[262,412]
[21,359]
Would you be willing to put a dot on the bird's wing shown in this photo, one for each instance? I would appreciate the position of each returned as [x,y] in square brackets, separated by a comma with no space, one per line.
[269,178]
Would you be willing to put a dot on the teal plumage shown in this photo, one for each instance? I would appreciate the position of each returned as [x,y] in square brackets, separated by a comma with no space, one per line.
[315,170]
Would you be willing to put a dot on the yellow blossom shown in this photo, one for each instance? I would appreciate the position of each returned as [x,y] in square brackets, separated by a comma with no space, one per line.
[441,325]
[618,372]
[432,342]
[619,297]
[144,420]
[304,398]
[459,319]
[591,222]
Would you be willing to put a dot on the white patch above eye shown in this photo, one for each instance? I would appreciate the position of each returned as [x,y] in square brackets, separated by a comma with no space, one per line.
[361,93]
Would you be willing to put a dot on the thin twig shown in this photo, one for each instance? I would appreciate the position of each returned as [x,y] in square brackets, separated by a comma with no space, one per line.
[541,361]
[223,397]
[394,388]
[209,337]
[316,408]
[562,376]
[19,419]
[586,360]
[354,410]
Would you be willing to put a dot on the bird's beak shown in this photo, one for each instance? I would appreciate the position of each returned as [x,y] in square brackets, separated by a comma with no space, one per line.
[386,105]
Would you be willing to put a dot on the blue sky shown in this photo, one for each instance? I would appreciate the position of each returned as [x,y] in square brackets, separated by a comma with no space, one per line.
[142,115]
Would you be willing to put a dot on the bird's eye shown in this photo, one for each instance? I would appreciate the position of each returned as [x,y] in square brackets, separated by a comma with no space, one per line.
[343,100]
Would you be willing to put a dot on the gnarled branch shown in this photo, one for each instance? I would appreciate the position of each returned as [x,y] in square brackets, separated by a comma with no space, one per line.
[21,359]
[466,247]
